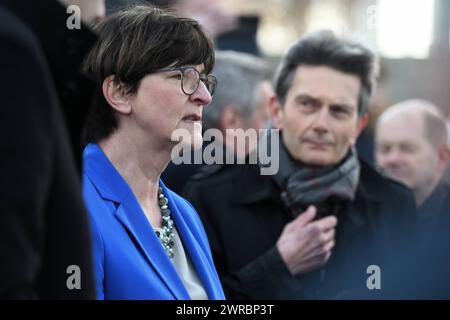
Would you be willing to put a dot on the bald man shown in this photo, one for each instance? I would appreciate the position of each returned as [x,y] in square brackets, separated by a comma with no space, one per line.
[412,146]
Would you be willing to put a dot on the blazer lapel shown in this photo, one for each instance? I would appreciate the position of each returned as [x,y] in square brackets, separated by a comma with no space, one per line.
[113,187]
[144,236]
[202,264]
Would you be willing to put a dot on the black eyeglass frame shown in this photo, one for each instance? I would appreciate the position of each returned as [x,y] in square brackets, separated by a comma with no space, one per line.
[204,79]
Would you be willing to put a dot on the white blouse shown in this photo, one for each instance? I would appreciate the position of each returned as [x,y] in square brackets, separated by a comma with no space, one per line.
[186,270]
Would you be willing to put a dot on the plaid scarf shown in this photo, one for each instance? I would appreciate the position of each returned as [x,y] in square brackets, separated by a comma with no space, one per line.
[323,187]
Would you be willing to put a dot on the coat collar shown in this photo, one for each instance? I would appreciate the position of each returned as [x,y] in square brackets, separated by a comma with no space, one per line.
[246,177]
[112,187]
[252,187]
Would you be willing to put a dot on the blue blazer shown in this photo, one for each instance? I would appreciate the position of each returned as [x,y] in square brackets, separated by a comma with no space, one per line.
[129,261]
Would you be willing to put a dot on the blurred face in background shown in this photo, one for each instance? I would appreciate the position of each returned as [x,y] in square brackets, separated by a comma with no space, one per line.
[403,151]
[259,118]
[233,122]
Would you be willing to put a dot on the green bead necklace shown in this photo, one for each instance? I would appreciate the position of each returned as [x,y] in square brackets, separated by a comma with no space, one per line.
[166,237]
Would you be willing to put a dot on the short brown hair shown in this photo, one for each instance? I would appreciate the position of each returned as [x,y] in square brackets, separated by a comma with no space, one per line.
[133,43]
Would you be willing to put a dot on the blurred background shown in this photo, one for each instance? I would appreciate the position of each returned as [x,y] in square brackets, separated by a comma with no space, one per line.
[412,38]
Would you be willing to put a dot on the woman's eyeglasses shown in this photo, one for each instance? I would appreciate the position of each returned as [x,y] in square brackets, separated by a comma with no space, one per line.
[190,79]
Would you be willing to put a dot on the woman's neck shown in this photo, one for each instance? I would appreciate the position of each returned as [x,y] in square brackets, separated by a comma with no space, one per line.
[141,165]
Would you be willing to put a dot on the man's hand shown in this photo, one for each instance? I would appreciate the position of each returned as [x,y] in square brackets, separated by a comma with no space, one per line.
[305,245]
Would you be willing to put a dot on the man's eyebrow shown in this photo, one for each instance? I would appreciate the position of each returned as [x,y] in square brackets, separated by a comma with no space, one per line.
[307,96]
[344,105]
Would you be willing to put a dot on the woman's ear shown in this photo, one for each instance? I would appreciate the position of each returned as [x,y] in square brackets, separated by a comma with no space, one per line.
[115,93]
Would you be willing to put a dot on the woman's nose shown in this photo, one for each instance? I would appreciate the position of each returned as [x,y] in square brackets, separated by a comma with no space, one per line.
[201,96]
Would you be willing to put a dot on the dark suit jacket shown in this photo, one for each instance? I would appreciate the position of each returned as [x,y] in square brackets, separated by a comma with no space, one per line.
[431,274]
[244,216]
[43,222]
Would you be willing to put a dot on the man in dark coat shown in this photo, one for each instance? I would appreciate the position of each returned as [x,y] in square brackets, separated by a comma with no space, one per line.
[45,247]
[418,158]
[262,247]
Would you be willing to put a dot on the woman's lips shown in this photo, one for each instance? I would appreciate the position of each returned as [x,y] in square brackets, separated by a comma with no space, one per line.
[193,118]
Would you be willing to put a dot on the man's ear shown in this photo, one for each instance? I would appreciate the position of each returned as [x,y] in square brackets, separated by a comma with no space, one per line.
[444,156]
[276,111]
[114,92]
[230,118]
[362,123]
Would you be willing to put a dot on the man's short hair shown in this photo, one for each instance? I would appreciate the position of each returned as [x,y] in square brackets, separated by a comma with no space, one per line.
[239,76]
[133,43]
[323,48]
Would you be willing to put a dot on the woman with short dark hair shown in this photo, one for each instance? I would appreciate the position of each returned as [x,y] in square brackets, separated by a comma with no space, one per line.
[152,69]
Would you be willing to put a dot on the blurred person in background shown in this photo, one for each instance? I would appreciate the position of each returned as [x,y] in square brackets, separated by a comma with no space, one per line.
[243,100]
[214,16]
[45,249]
[412,146]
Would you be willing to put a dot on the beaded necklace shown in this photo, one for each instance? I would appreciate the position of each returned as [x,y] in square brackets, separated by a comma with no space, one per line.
[166,237]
